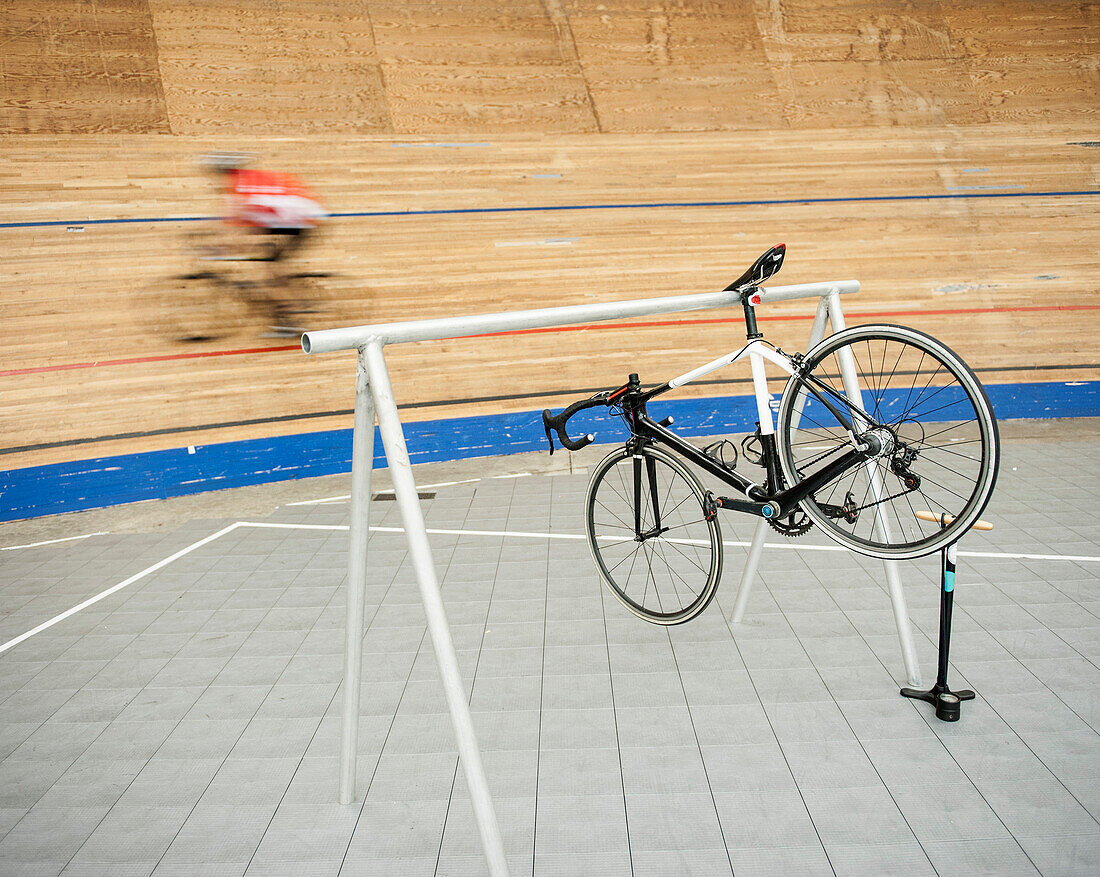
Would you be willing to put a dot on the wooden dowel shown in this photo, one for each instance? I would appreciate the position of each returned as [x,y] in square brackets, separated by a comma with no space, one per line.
[943,520]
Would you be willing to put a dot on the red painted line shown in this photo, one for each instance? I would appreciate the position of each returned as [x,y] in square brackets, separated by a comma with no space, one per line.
[848,316]
[714,321]
[106,362]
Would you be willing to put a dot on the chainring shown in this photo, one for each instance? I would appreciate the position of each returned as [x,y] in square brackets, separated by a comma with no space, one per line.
[793,524]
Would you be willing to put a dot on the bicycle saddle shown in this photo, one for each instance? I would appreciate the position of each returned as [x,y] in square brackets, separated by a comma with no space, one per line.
[763,268]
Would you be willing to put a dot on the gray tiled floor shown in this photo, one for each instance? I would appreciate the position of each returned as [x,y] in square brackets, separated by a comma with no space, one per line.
[188,724]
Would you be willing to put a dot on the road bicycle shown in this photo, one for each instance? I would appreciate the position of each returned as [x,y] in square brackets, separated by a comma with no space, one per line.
[874,424]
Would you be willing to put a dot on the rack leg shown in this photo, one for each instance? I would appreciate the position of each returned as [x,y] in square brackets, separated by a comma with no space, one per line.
[397,455]
[752,562]
[901,621]
[362,464]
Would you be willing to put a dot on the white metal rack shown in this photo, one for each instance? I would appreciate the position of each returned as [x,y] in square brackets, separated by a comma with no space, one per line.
[374,398]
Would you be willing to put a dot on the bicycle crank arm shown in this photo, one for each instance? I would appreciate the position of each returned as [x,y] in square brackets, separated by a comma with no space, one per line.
[769,509]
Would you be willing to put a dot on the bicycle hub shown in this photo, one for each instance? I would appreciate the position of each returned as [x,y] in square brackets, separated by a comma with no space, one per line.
[879,442]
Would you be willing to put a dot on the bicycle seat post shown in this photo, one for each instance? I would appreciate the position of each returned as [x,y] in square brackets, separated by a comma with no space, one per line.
[748,304]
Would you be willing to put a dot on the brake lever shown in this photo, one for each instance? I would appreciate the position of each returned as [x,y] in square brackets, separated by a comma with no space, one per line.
[557,424]
[549,433]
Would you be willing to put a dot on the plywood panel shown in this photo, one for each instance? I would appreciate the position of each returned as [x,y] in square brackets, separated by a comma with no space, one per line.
[290,67]
[675,67]
[70,67]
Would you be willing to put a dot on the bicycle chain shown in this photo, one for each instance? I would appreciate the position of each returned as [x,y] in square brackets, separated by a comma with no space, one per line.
[857,510]
[879,501]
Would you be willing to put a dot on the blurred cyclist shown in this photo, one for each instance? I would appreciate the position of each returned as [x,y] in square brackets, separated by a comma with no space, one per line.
[278,207]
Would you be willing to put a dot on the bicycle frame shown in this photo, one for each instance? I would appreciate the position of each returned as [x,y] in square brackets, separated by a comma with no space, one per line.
[766,503]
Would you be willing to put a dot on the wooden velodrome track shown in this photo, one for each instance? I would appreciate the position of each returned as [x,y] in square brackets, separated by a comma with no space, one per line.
[483,156]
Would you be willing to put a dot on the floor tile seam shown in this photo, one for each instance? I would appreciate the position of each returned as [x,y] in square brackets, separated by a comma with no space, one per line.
[1032,673]
[393,718]
[178,723]
[163,563]
[882,588]
[134,778]
[305,749]
[771,725]
[618,736]
[473,687]
[381,750]
[699,750]
[1042,625]
[104,731]
[1045,686]
[970,779]
[866,755]
[542,699]
[1038,758]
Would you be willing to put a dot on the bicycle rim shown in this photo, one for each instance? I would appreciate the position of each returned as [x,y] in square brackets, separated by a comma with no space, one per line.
[940,441]
[669,574]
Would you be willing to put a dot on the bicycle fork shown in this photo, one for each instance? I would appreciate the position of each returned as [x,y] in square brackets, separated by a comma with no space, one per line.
[639,489]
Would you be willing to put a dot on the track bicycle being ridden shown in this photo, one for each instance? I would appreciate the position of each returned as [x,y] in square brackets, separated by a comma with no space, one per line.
[875,423]
[235,281]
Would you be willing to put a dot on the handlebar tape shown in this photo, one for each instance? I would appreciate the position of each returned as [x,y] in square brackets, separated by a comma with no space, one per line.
[557,424]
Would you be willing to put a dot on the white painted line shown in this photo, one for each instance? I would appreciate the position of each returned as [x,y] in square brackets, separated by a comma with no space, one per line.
[515,534]
[1082,558]
[136,577]
[318,501]
[518,534]
[347,496]
[521,534]
[53,541]
[267,526]
[548,242]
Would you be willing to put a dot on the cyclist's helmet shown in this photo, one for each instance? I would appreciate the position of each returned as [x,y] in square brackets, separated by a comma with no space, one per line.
[224,162]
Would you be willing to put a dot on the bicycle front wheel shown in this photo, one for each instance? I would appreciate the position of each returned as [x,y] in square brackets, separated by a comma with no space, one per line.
[929,420]
[647,528]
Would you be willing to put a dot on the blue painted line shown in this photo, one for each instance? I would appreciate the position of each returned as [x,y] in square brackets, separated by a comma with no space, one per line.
[548,208]
[79,222]
[106,481]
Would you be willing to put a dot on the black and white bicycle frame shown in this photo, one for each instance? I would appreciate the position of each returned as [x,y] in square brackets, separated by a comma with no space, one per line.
[757,500]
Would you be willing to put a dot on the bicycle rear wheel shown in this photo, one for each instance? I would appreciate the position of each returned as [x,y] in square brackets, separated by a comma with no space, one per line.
[933,426]
[649,535]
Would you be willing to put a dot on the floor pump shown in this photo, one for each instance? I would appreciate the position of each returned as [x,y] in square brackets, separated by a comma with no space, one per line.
[940,695]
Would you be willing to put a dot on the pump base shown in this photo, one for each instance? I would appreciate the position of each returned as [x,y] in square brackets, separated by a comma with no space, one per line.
[945,700]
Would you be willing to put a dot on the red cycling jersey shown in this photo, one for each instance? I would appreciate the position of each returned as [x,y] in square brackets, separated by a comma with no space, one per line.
[263,199]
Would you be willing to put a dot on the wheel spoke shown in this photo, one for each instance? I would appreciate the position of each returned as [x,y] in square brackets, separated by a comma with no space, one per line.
[933,419]
[666,575]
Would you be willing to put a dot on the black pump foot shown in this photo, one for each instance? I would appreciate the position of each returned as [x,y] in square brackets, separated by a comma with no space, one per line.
[945,700]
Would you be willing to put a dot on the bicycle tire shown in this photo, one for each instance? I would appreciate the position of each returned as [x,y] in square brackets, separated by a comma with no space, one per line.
[936,422]
[671,575]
